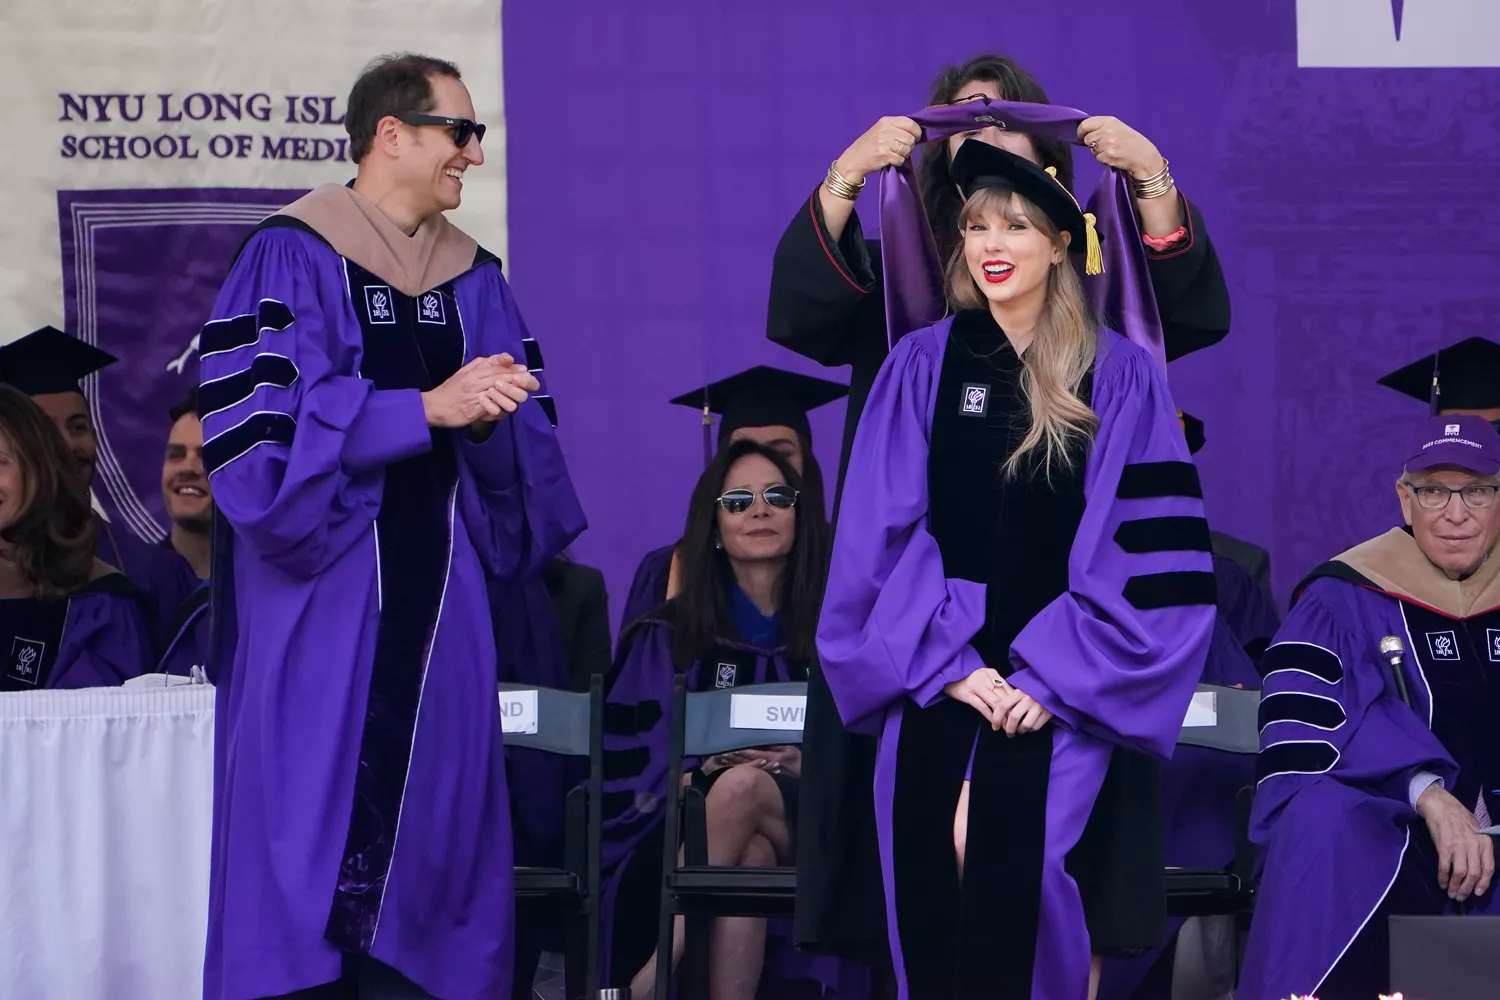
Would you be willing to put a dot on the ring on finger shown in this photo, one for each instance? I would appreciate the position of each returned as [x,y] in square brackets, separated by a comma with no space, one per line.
[1093,145]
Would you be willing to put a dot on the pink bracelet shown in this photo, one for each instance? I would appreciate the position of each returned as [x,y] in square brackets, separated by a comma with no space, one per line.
[1166,242]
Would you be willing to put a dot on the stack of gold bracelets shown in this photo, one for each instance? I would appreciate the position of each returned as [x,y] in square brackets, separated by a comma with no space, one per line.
[1157,184]
[840,188]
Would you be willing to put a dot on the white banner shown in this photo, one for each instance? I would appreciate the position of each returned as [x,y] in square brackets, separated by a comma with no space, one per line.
[207,94]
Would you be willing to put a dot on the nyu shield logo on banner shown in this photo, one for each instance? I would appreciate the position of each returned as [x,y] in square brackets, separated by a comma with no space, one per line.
[141,159]
[1390,34]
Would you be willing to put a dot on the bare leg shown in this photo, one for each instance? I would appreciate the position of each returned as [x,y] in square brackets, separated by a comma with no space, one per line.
[961,829]
[1096,965]
[643,984]
[738,949]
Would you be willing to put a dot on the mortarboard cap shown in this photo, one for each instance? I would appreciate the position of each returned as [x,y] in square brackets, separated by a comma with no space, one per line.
[1465,376]
[761,397]
[979,165]
[48,360]
[1192,429]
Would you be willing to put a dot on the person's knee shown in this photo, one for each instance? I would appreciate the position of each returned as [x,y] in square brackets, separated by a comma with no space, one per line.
[740,793]
[758,853]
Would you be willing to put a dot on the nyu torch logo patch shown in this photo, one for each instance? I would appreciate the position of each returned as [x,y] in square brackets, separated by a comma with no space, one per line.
[975,401]
[26,660]
[430,309]
[1444,645]
[725,676]
[378,304]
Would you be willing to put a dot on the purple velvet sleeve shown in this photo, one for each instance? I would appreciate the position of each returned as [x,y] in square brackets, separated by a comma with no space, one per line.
[517,499]
[1120,652]
[294,441]
[105,644]
[1330,709]
[893,626]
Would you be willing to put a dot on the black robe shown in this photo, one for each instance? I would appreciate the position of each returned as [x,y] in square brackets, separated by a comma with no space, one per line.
[827,303]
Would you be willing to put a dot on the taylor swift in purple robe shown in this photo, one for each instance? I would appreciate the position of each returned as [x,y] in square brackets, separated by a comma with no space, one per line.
[1371,774]
[828,299]
[67,620]
[1021,581]
[373,454]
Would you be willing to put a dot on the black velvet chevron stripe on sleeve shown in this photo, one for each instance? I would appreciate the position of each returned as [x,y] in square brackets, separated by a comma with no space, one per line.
[549,407]
[1164,534]
[1313,710]
[533,355]
[1150,480]
[257,429]
[1296,757]
[1151,591]
[241,331]
[266,369]
[1305,658]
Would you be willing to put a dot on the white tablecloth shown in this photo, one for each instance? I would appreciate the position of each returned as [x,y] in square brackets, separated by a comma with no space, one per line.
[105,812]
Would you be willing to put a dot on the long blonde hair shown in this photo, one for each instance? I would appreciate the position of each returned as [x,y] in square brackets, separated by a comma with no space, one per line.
[1062,348]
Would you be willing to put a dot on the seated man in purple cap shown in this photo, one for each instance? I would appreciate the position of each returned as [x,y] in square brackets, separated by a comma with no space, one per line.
[1379,760]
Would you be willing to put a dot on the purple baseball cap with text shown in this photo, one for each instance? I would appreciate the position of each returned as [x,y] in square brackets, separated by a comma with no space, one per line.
[1461,440]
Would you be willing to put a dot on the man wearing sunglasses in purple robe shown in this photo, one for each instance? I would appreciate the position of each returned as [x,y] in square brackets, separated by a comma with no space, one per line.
[377,443]
[1374,762]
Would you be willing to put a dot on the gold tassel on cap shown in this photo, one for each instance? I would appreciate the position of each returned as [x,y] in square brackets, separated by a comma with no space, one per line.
[1094,263]
[1094,258]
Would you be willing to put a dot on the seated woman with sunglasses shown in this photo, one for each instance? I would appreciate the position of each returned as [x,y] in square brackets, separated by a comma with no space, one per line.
[67,620]
[1021,582]
[753,557]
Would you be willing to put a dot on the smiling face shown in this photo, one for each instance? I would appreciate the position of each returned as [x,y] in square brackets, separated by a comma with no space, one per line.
[1016,142]
[762,533]
[1456,538]
[1008,252]
[184,487]
[70,412]
[431,165]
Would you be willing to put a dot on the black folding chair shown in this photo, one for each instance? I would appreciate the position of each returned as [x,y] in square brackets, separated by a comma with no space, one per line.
[703,724]
[1212,892]
[569,723]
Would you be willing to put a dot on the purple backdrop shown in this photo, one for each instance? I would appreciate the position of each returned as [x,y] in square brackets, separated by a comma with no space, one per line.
[656,152]
[141,269]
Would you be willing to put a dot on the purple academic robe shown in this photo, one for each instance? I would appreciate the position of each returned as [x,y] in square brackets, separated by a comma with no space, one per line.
[1199,792]
[648,588]
[360,795]
[1338,750]
[96,637]
[1115,658]
[186,636]
[1244,607]
[166,577]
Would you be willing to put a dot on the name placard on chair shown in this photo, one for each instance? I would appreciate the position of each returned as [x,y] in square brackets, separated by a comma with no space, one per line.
[518,715]
[1203,711]
[768,711]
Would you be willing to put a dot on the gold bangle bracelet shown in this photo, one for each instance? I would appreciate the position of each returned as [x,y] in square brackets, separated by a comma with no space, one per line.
[839,187]
[1156,190]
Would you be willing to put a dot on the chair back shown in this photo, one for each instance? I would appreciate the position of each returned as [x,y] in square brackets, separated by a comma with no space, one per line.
[754,715]
[1223,718]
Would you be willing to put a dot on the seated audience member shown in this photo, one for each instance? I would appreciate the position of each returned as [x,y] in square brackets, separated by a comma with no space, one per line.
[67,620]
[580,606]
[48,365]
[1372,770]
[190,505]
[752,562]
[1461,379]
[764,404]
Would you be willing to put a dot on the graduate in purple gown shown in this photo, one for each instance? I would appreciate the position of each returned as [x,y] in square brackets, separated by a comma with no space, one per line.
[1371,772]
[829,298]
[764,404]
[189,502]
[1020,582]
[49,365]
[67,620]
[376,450]
[754,552]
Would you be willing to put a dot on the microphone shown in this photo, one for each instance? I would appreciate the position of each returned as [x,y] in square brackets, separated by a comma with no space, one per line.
[1394,650]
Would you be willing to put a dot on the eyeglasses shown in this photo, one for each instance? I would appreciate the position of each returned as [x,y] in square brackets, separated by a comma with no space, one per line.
[739,501]
[463,128]
[1439,497]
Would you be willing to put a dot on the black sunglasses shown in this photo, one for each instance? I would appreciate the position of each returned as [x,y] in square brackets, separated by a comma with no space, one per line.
[462,128]
[739,501]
